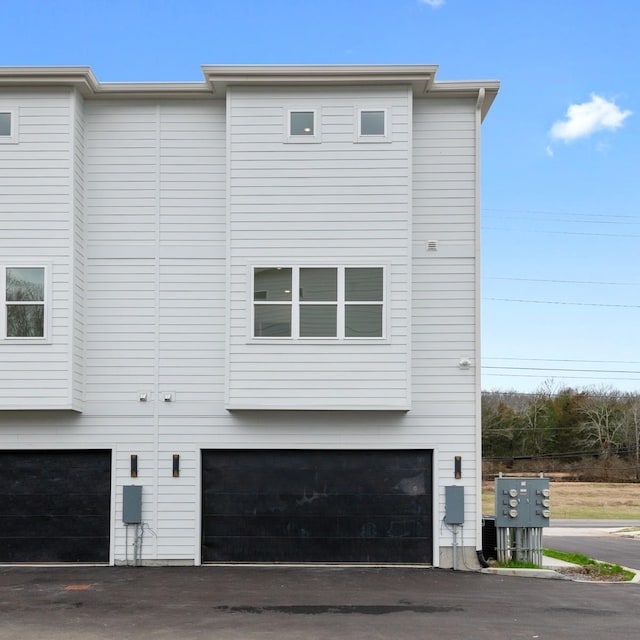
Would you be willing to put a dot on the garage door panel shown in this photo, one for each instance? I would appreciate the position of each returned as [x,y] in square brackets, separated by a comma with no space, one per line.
[84,504]
[317,506]
[56,506]
[77,549]
[319,526]
[261,504]
[310,481]
[318,550]
[47,527]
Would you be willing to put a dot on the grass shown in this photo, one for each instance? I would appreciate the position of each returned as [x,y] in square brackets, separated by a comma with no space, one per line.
[603,569]
[583,500]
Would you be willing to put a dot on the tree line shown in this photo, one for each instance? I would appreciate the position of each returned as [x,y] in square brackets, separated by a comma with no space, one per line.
[559,427]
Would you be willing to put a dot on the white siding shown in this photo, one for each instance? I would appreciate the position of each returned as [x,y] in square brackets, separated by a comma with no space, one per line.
[332,203]
[79,258]
[445,285]
[36,219]
[154,278]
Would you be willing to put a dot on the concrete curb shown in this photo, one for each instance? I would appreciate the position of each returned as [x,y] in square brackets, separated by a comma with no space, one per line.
[549,574]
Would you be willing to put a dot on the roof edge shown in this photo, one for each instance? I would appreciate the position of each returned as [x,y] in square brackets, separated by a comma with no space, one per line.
[218,77]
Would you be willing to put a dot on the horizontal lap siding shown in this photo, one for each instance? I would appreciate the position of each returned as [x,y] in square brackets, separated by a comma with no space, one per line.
[36,218]
[444,283]
[156,296]
[333,203]
[79,258]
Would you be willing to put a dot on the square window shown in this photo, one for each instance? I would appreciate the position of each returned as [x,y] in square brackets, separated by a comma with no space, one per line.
[302,123]
[272,321]
[363,284]
[363,321]
[318,285]
[5,124]
[318,320]
[272,284]
[372,123]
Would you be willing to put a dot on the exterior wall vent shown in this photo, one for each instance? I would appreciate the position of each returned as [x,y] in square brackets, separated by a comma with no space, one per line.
[432,245]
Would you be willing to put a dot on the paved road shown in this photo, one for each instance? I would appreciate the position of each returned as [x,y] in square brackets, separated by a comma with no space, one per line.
[243,603]
[594,538]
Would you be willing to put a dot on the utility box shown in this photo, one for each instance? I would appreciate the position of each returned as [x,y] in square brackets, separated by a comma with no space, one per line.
[522,502]
[132,504]
[454,505]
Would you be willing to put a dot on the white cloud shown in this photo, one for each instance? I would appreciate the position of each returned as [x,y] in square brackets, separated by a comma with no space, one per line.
[549,151]
[583,120]
[434,4]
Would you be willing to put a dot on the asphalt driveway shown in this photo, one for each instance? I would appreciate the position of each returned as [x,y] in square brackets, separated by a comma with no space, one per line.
[312,603]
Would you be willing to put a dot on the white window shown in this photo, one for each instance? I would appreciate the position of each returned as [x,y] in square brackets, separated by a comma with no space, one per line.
[318,302]
[302,125]
[24,302]
[8,126]
[372,125]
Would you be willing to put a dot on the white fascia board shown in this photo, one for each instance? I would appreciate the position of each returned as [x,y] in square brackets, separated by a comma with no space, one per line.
[420,77]
[466,89]
[83,79]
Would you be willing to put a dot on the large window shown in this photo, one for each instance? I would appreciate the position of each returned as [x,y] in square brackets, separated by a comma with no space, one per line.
[318,302]
[24,290]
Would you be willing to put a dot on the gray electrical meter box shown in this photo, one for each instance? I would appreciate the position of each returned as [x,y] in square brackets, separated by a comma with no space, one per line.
[132,504]
[454,504]
[522,502]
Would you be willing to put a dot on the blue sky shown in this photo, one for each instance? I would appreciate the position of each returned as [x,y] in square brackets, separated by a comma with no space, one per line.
[561,145]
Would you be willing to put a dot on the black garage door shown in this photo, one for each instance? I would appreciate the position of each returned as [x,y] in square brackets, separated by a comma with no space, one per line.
[317,506]
[55,506]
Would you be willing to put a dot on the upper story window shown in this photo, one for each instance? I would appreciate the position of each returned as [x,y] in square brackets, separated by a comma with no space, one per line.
[372,125]
[24,291]
[8,126]
[318,302]
[302,125]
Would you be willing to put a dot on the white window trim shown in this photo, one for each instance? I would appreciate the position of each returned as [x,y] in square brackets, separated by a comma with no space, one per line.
[298,139]
[46,302]
[360,138]
[14,137]
[340,302]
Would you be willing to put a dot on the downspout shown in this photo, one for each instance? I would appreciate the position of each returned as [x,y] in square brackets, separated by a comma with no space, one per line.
[478,385]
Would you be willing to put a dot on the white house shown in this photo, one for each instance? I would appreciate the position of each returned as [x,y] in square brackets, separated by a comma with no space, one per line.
[254,297]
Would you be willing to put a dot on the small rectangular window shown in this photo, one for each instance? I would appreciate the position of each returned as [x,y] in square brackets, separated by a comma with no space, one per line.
[5,124]
[318,302]
[302,123]
[8,126]
[372,123]
[24,302]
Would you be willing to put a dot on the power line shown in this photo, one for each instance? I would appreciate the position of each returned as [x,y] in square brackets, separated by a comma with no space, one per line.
[579,304]
[558,369]
[566,233]
[575,221]
[574,377]
[559,360]
[626,284]
[563,213]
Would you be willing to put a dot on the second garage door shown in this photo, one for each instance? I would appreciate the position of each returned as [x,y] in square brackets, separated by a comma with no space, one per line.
[55,506]
[317,506]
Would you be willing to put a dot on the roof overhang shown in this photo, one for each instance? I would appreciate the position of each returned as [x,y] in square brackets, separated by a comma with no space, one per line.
[217,79]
